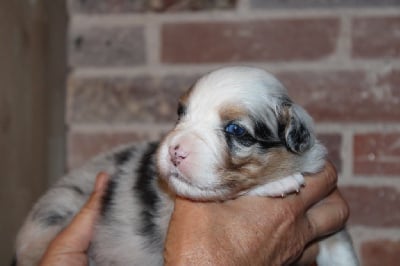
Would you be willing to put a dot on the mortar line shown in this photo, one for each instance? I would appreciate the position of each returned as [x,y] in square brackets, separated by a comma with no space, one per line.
[152,31]
[233,15]
[123,128]
[332,127]
[347,153]
[344,40]
[372,181]
[243,7]
[165,69]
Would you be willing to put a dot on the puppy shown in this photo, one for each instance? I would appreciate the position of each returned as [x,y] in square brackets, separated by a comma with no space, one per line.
[237,133]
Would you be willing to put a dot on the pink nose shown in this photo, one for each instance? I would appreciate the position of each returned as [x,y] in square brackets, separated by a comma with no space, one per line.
[177,154]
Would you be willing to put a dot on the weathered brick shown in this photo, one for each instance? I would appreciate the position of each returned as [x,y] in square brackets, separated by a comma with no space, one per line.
[129,6]
[107,6]
[346,96]
[106,46]
[333,143]
[374,97]
[193,5]
[377,154]
[81,146]
[380,252]
[373,206]
[261,41]
[125,100]
[376,37]
[321,3]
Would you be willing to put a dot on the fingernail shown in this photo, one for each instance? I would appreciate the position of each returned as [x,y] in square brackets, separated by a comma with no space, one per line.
[101,181]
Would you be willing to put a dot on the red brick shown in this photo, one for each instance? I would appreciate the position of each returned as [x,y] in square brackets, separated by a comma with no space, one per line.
[333,143]
[191,5]
[106,46]
[194,5]
[83,146]
[377,154]
[321,3]
[389,83]
[140,6]
[373,206]
[268,40]
[376,37]
[324,94]
[380,253]
[125,100]
[107,6]
[346,96]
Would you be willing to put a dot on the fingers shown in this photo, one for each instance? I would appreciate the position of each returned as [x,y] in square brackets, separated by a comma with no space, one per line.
[324,209]
[319,185]
[69,247]
[322,219]
[327,217]
[78,233]
[94,202]
[309,255]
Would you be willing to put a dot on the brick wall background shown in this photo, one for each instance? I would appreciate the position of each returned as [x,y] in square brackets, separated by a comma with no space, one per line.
[129,61]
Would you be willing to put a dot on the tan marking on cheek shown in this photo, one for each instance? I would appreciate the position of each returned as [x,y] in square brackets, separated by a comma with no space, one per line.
[279,163]
[239,174]
[231,112]
[184,98]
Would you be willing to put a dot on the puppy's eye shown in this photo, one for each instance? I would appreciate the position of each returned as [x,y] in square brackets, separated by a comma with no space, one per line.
[235,129]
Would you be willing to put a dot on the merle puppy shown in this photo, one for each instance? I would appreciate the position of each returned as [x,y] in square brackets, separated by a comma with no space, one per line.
[238,133]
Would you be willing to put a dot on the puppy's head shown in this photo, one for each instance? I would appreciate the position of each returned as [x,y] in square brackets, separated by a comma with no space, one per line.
[237,128]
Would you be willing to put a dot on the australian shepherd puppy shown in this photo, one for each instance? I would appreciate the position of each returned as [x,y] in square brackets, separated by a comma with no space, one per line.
[238,133]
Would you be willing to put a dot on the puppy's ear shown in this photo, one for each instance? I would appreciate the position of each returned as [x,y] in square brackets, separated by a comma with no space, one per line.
[295,128]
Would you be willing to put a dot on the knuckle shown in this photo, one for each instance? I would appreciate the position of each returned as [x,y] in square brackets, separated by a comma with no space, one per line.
[344,211]
[331,174]
[312,231]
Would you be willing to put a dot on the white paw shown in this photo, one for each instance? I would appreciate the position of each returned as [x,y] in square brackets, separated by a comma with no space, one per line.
[280,187]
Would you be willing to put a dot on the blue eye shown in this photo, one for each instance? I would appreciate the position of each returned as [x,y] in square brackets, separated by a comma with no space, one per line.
[235,130]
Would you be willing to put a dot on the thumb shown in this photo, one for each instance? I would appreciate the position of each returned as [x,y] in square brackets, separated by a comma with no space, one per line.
[77,235]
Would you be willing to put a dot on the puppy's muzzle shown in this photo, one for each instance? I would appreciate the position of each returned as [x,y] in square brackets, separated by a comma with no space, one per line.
[177,154]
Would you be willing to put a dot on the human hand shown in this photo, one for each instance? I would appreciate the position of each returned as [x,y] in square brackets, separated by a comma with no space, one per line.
[70,246]
[257,230]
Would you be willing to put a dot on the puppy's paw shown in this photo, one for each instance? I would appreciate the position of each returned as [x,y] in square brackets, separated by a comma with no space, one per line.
[280,187]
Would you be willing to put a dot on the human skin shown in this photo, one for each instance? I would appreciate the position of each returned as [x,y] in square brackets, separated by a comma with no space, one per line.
[71,244]
[244,231]
[257,230]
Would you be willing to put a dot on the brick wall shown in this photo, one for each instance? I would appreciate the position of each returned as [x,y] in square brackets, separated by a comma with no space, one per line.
[129,61]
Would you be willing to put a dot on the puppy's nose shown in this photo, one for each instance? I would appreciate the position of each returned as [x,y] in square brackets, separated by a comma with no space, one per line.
[177,154]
